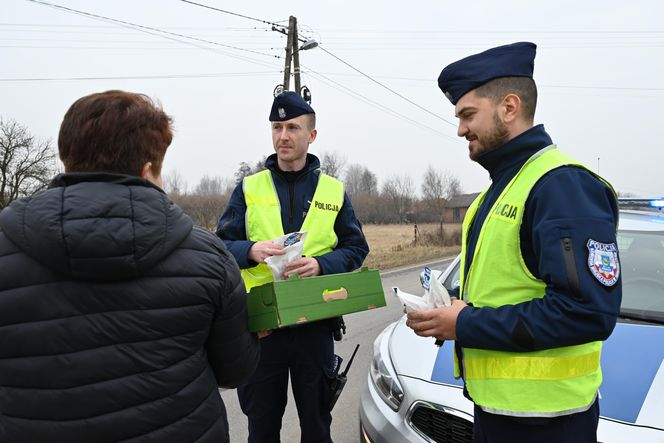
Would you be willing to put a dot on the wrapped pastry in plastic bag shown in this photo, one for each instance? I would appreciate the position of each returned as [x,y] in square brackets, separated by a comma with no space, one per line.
[435,295]
[293,244]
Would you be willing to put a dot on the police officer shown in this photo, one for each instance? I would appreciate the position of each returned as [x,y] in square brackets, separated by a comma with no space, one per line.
[540,287]
[263,207]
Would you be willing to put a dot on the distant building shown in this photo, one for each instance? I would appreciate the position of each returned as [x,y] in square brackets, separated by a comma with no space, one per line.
[456,207]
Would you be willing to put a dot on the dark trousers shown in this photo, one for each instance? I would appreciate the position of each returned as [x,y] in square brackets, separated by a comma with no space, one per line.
[306,352]
[574,428]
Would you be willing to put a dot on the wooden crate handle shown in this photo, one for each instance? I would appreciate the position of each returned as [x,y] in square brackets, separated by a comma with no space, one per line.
[335,294]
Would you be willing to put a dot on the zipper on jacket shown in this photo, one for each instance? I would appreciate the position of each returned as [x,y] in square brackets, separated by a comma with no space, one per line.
[291,206]
[570,266]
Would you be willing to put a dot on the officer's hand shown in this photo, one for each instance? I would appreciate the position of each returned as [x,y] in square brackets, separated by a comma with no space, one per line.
[263,249]
[304,267]
[265,333]
[438,322]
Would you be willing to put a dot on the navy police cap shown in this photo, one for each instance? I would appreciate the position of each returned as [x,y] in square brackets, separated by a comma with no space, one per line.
[288,105]
[515,60]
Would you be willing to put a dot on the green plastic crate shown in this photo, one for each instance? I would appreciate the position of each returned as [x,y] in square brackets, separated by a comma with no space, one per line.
[300,300]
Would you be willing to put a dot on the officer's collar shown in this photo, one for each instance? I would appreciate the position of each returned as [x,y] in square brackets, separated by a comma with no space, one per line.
[312,163]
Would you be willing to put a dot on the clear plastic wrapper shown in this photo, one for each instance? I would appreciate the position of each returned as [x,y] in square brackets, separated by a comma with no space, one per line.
[435,295]
[293,244]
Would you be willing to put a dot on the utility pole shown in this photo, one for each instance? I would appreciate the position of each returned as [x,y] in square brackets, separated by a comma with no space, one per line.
[293,49]
[292,30]
[296,55]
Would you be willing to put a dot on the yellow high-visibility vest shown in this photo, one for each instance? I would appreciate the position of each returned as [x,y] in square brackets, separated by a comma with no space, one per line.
[263,219]
[546,383]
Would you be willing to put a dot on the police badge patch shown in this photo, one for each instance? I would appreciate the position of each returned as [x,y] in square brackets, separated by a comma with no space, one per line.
[282,113]
[603,262]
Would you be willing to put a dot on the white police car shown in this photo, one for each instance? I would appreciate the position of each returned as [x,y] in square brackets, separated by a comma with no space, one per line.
[411,394]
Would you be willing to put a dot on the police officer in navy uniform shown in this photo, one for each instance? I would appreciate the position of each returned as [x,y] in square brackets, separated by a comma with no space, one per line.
[540,286]
[263,207]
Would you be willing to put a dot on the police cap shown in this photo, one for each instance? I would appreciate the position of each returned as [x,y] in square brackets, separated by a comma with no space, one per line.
[515,60]
[288,105]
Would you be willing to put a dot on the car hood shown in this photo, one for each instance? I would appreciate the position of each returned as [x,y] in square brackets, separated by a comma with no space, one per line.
[632,390]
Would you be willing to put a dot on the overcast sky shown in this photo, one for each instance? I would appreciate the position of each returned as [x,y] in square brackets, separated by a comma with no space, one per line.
[599,69]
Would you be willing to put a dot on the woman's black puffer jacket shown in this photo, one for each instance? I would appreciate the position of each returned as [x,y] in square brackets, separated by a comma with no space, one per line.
[118,319]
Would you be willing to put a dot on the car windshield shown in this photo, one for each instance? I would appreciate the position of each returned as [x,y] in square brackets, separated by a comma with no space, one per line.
[642,267]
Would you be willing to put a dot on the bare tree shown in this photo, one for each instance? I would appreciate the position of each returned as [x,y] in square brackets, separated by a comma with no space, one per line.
[398,192]
[353,179]
[204,210]
[369,182]
[433,194]
[26,164]
[360,180]
[174,183]
[213,186]
[433,186]
[332,163]
[438,187]
[453,187]
[208,200]
[369,209]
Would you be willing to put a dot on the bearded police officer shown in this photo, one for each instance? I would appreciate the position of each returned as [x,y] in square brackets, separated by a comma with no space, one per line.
[263,207]
[540,282]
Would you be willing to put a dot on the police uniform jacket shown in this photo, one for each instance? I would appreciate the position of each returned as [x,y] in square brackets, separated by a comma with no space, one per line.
[118,319]
[295,192]
[566,202]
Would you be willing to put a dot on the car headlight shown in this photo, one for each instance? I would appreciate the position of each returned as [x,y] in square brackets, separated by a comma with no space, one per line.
[382,372]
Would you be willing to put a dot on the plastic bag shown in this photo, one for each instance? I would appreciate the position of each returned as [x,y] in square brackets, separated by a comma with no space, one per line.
[293,244]
[435,295]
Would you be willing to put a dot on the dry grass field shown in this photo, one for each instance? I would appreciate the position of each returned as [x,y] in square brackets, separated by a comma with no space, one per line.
[392,246]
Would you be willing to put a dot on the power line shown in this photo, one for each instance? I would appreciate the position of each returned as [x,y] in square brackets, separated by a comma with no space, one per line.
[372,103]
[390,31]
[433,80]
[141,77]
[251,40]
[148,28]
[233,13]
[283,28]
[486,32]
[126,48]
[39,43]
[237,74]
[344,62]
[613,88]
[51,25]
[388,88]
[418,47]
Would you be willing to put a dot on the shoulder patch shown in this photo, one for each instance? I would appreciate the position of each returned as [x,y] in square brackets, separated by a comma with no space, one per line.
[603,262]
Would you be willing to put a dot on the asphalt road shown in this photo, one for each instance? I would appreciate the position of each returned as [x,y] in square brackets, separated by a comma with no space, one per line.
[362,328]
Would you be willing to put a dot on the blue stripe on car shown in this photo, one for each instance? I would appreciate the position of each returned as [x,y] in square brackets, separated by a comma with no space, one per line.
[443,368]
[630,360]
